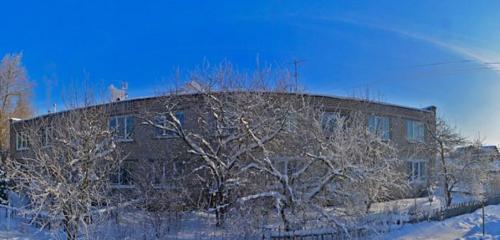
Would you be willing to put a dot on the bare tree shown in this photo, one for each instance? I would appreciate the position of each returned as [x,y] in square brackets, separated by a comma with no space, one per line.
[66,167]
[445,140]
[329,164]
[227,104]
[161,195]
[470,169]
[15,91]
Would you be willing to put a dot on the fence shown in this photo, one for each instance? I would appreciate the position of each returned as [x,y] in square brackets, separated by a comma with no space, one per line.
[39,220]
[453,210]
[383,224]
[327,235]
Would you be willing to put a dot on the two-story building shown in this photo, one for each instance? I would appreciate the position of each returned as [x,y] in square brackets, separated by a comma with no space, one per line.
[406,127]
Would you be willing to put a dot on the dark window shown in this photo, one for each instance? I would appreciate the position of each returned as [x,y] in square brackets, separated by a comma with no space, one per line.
[417,170]
[122,127]
[45,135]
[124,175]
[379,125]
[415,131]
[21,141]
[329,121]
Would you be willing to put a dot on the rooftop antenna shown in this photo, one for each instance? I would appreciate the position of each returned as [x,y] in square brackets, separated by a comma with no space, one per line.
[118,94]
[296,63]
[196,86]
[53,110]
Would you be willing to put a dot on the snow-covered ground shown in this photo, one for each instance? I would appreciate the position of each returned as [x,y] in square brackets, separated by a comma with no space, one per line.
[466,226]
[132,225]
[18,229]
[135,225]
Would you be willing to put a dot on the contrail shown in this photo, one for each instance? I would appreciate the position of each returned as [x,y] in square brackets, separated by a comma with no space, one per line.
[464,51]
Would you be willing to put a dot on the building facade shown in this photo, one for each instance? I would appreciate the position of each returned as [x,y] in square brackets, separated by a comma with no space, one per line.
[406,127]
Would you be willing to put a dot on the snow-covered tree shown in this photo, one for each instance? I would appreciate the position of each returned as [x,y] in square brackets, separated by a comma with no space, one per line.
[227,103]
[65,171]
[160,194]
[445,139]
[470,169]
[326,160]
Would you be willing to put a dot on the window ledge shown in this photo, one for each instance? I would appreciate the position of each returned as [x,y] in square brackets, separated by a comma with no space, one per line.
[166,137]
[164,187]
[121,186]
[415,141]
[418,181]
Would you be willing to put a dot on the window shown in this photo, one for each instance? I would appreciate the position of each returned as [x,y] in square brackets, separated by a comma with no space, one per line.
[45,135]
[122,127]
[286,164]
[158,171]
[179,167]
[379,126]
[292,123]
[21,141]
[417,170]
[329,121]
[162,121]
[415,131]
[124,175]
[163,173]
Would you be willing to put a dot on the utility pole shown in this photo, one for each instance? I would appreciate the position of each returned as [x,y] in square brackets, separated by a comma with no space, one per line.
[483,218]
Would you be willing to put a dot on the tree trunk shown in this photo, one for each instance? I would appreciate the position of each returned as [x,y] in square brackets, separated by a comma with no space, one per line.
[447,194]
[368,206]
[220,207]
[286,224]
[70,228]
[446,187]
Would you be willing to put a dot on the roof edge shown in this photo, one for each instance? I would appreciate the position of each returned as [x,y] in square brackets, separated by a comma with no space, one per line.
[430,109]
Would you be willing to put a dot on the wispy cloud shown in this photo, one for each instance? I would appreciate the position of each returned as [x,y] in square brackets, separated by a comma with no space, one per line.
[481,56]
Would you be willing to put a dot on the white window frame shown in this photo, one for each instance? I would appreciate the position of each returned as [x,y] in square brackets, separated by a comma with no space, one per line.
[420,167]
[292,122]
[380,126]
[127,137]
[168,171]
[162,120]
[415,131]
[47,136]
[161,170]
[22,142]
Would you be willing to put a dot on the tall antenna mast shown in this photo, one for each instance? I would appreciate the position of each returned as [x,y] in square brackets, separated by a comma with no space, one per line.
[296,63]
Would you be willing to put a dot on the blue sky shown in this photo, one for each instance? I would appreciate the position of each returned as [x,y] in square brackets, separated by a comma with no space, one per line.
[416,53]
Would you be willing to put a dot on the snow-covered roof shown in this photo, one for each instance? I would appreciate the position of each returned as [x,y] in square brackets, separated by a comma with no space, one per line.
[485,149]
